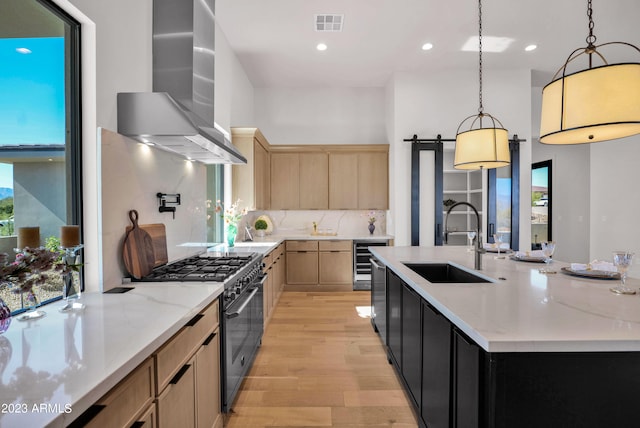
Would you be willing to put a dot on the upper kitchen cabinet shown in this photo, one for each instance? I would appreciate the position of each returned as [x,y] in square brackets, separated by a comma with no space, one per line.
[299,178]
[285,181]
[359,178]
[373,180]
[252,182]
[343,181]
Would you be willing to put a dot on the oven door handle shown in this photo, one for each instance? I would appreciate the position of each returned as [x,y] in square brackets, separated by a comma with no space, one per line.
[238,311]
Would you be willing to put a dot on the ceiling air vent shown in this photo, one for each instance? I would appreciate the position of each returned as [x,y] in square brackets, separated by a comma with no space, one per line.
[329,23]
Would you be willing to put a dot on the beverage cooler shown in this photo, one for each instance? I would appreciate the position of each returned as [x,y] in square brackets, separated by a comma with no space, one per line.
[361,264]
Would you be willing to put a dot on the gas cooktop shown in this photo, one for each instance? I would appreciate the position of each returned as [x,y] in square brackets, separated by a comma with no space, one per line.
[216,267]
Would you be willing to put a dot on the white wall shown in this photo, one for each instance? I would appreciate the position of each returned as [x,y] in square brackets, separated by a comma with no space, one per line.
[234,104]
[321,115]
[428,105]
[123,43]
[615,199]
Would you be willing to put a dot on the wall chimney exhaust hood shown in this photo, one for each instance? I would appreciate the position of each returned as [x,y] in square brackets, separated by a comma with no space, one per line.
[178,115]
[156,118]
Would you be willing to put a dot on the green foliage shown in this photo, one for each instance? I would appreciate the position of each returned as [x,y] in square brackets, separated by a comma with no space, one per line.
[261,225]
[52,243]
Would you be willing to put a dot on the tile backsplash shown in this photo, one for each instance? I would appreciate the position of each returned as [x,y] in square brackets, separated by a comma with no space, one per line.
[131,176]
[342,222]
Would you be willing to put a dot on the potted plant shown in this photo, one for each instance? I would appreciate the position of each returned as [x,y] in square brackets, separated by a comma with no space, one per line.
[261,227]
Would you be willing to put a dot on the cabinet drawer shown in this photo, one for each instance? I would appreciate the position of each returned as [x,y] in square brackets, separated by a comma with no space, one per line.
[302,245]
[174,354]
[127,400]
[335,245]
[268,260]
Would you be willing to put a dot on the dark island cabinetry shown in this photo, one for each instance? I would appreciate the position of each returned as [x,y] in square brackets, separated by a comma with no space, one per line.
[454,383]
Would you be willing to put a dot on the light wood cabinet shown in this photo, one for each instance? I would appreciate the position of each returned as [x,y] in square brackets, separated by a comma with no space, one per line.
[251,182]
[302,262]
[188,374]
[207,374]
[314,181]
[343,181]
[373,180]
[128,402]
[274,265]
[317,263]
[177,402]
[285,181]
[335,262]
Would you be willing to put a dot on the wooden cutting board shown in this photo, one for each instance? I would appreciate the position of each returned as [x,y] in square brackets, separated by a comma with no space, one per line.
[137,251]
[158,235]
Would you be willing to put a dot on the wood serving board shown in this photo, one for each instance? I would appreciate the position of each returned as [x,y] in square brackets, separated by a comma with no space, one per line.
[158,234]
[137,250]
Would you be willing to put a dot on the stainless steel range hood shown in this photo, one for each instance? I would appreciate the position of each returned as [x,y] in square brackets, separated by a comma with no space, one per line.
[178,115]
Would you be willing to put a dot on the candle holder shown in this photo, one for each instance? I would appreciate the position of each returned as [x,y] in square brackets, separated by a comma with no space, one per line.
[71,291]
[33,313]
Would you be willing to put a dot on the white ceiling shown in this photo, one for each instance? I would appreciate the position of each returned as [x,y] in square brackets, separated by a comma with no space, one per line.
[275,39]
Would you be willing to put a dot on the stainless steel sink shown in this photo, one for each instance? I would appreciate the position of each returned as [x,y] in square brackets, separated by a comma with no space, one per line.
[444,273]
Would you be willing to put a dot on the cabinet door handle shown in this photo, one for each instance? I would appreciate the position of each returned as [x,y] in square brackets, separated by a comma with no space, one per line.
[194,320]
[179,375]
[209,339]
[87,416]
[462,336]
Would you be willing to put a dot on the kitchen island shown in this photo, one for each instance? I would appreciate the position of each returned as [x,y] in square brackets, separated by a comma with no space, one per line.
[524,349]
[55,368]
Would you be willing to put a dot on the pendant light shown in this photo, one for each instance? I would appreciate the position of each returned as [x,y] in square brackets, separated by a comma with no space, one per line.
[597,104]
[480,147]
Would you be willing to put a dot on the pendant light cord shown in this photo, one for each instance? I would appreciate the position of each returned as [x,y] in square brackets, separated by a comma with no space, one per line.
[591,39]
[480,108]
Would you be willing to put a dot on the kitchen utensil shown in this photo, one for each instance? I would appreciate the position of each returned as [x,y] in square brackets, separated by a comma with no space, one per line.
[137,251]
[158,234]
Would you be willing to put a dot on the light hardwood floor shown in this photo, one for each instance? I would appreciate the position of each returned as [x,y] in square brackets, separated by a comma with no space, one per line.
[321,364]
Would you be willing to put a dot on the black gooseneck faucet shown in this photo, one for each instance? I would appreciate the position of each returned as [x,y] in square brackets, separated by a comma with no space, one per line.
[479,251]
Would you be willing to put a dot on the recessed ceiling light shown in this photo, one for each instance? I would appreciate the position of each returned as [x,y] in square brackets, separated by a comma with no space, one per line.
[321,47]
[427,46]
[489,44]
[530,48]
[24,51]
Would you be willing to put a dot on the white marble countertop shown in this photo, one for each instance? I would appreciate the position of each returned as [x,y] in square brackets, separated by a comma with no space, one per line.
[527,311]
[67,361]
[265,244]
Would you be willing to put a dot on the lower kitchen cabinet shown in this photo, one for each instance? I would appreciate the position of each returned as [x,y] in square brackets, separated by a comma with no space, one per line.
[188,374]
[274,267]
[394,320]
[436,368]
[128,403]
[207,373]
[466,380]
[335,262]
[411,352]
[177,402]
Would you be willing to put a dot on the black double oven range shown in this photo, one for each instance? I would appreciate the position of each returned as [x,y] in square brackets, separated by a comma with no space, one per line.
[240,305]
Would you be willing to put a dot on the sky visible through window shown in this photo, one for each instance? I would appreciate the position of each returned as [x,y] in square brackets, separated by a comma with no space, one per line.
[32,96]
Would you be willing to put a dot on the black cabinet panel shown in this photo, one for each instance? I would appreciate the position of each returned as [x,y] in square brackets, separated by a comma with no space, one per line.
[394,321]
[436,368]
[411,342]
[467,382]
[585,390]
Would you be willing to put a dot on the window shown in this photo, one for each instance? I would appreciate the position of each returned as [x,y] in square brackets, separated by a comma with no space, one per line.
[40,158]
[215,192]
[540,203]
